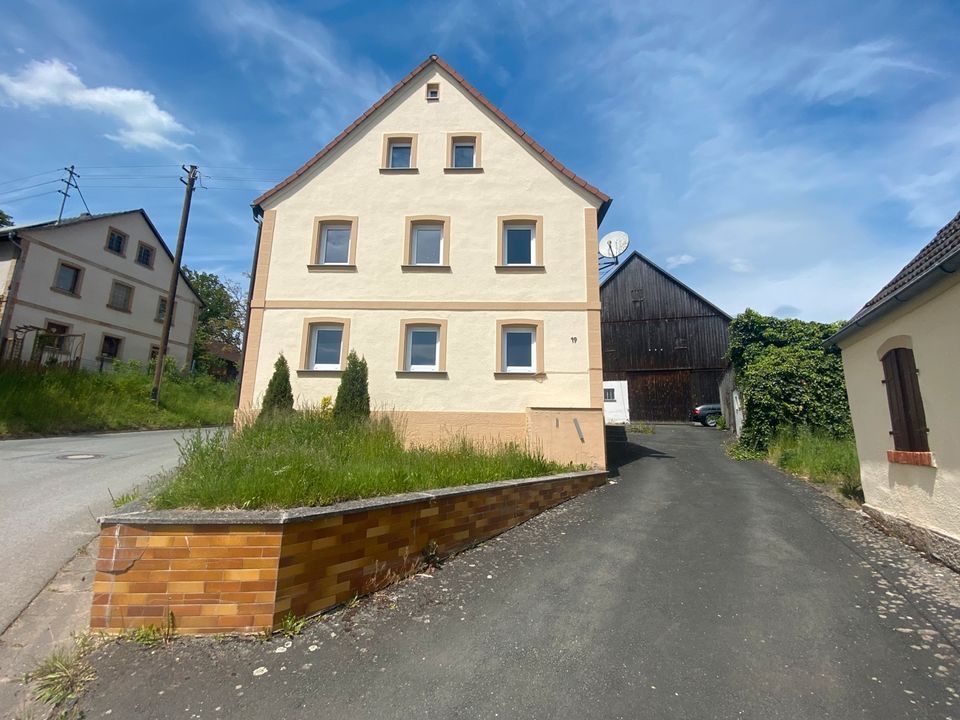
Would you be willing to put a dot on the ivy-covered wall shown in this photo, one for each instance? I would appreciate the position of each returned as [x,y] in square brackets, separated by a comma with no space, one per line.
[786,377]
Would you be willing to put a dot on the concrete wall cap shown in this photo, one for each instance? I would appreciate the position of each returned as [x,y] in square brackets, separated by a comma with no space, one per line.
[188,516]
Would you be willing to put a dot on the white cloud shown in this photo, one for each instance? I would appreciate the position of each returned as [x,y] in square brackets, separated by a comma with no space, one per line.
[678,260]
[296,55]
[856,71]
[53,83]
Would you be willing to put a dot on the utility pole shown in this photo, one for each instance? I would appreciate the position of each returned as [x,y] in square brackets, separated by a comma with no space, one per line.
[66,192]
[174,280]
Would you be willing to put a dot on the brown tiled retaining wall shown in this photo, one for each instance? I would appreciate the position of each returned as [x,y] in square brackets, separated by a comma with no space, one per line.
[243,571]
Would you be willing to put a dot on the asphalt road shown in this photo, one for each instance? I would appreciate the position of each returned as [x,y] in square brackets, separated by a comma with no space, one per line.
[693,587]
[48,504]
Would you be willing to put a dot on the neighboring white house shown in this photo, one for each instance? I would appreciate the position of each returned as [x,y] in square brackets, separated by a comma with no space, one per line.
[901,355]
[441,242]
[89,290]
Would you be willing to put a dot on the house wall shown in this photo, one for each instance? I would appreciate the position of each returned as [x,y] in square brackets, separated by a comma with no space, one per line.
[472,295]
[82,245]
[924,496]
[7,264]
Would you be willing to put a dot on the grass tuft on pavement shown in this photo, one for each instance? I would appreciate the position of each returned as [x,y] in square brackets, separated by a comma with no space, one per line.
[52,401]
[308,459]
[818,457]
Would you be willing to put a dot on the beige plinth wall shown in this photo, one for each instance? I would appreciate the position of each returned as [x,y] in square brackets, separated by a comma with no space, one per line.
[925,497]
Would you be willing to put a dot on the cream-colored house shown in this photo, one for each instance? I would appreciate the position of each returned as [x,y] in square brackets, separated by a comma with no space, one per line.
[441,242]
[90,290]
[901,354]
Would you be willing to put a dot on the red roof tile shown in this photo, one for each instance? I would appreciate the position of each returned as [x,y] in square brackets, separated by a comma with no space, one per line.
[434,59]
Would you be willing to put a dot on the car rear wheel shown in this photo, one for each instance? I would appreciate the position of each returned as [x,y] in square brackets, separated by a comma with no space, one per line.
[711,420]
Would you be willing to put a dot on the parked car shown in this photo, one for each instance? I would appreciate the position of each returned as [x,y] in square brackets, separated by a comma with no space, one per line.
[706,414]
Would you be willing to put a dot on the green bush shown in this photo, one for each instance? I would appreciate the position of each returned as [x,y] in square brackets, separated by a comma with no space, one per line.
[353,395]
[279,395]
[307,458]
[786,378]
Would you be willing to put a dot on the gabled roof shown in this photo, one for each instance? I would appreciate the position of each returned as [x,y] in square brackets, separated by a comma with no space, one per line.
[938,259]
[635,255]
[507,122]
[8,232]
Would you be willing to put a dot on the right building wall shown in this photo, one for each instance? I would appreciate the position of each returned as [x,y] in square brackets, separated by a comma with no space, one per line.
[917,499]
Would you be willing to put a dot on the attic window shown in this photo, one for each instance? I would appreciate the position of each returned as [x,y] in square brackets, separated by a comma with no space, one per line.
[433,91]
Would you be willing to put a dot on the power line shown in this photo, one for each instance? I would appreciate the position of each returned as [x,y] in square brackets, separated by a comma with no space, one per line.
[29,187]
[29,197]
[28,177]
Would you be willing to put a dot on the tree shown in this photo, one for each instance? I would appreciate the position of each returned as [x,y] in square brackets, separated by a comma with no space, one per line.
[353,395]
[786,377]
[5,220]
[221,318]
[279,396]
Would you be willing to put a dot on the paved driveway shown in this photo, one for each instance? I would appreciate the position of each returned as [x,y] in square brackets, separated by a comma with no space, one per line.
[694,587]
[48,504]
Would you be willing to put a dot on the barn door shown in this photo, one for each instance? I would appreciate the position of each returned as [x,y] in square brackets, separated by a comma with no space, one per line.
[660,396]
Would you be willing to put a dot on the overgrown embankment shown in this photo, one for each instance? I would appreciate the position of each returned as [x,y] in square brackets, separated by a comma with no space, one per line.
[53,401]
[794,398]
[309,458]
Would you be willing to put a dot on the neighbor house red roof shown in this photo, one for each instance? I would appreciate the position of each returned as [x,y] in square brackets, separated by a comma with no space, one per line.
[436,60]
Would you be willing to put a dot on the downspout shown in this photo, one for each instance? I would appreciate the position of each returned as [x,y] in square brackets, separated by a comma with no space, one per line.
[258,218]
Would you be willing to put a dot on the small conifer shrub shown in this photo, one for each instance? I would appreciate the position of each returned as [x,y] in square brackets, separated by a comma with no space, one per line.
[353,395]
[279,395]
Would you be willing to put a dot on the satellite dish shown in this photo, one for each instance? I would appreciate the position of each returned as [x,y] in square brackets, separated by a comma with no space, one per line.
[614,244]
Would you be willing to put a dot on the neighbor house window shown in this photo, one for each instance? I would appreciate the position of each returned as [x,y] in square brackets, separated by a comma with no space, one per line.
[325,344]
[110,347]
[54,335]
[162,310]
[427,241]
[145,255]
[121,296]
[520,346]
[399,152]
[909,424]
[463,151]
[68,279]
[521,241]
[334,242]
[154,352]
[422,345]
[433,91]
[117,242]
[609,395]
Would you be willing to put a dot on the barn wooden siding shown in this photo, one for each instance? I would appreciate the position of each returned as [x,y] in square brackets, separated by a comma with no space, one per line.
[664,339]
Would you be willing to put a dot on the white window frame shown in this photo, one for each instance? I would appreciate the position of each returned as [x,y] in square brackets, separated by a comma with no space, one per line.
[507,227]
[314,332]
[399,143]
[415,240]
[326,228]
[609,394]
[524,330]
[466,142]
[408,351]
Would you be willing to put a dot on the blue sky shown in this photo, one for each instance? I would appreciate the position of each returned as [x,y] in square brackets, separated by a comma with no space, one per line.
[790,157]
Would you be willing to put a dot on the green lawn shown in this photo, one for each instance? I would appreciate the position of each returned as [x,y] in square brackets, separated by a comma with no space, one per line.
[54,401]
[307,459]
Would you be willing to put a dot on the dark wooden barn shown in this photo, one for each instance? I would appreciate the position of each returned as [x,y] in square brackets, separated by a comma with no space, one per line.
[665,341]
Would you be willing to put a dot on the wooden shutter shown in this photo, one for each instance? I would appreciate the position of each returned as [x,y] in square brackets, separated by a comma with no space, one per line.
[904,400]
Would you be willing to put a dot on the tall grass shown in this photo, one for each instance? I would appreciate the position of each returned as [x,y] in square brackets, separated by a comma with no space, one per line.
[819,457]
[53,400]
[309,459]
